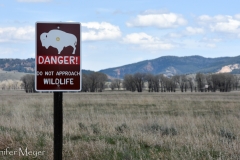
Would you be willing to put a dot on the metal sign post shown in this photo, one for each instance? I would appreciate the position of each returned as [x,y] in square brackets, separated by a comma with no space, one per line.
[58,125]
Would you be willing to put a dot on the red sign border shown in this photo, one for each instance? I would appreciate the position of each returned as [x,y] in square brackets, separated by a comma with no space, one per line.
[36,58]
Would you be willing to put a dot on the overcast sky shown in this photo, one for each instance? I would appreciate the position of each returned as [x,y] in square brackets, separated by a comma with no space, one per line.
[119,32]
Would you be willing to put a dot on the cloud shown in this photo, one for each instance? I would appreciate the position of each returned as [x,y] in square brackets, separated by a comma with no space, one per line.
[237,16]
[232,26]
[221,23]
[211,45]
[93,31]
[90,31]
[174,35]
[159,20]
[34,1]
[189,31]
[146,41]
[211,40]
[13,34]
[193,31]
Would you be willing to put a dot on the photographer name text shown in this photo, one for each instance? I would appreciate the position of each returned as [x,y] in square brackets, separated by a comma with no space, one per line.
[21,152]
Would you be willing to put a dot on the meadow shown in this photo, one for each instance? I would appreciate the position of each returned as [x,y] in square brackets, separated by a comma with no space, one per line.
[123,125]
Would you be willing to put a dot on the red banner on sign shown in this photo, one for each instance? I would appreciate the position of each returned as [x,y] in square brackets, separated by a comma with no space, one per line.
[56,60]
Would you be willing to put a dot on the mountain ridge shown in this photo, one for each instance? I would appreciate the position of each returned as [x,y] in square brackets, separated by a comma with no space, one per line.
[171,65]
[168,65]
[22,65]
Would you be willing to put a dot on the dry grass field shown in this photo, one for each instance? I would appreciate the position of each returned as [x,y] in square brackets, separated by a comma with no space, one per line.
[123,125]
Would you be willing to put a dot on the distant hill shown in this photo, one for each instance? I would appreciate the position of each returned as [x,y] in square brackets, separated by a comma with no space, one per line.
[86,71]
[21,65]
[13,75]
[172,65]
[168,65]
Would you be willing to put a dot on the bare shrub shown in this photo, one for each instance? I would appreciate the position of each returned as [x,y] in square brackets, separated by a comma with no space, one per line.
[227,134]
[96,129]
[163,130]
[122,128]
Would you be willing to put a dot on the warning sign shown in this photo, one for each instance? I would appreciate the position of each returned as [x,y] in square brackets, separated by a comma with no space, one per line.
[58,57]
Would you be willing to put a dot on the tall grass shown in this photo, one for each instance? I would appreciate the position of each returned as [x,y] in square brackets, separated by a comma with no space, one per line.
[124,125]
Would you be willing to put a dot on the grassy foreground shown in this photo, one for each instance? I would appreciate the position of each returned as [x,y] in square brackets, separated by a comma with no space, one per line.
[123,125]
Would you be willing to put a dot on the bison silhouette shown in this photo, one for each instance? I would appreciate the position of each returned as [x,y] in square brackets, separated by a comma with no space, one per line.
[58,39]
